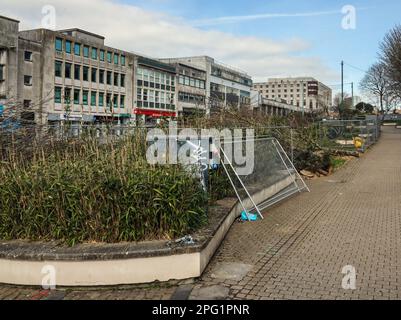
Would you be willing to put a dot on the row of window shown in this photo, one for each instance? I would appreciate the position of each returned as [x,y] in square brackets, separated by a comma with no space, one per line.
[192,82]
[155,105]
[156,77]
[155,96]
[81,97]
[92,52]
[261,86]
[191,98]
[284,90]
[152,85]
[101,76]
[283,96]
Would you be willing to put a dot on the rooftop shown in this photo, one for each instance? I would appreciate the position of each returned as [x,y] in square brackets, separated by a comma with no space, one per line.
[68,31]
[7,18]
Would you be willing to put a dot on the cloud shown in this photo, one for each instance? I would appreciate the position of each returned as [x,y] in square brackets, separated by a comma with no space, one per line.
[157,34]
[235,19]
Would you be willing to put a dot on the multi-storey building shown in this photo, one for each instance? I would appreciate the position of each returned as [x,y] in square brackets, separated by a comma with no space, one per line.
[73,76]
[8,62]
[155,90]
[304,93]
[225,86]
[191,88]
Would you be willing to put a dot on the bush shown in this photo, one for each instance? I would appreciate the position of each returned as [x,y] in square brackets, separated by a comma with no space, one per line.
[84,191]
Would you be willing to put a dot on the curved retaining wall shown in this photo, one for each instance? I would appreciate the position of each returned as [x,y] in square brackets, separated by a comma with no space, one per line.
[95,265]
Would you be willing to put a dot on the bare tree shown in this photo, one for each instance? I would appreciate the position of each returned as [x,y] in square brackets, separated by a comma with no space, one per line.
[377,82]
[391,57]
[338,101]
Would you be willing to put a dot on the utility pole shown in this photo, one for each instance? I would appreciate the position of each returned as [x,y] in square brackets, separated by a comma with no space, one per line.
[342,82]
[340,107]
[352,90]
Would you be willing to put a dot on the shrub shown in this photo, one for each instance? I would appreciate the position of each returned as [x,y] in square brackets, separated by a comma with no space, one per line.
[82,191]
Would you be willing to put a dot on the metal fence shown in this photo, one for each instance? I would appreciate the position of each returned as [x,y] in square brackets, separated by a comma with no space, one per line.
[348,135]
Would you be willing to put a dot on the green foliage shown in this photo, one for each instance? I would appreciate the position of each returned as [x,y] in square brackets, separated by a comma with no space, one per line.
[365,107]
[312,161]
[83,191]
[219,185]
[337,162]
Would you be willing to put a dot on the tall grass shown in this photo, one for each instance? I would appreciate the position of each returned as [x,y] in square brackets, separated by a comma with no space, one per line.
[82,190]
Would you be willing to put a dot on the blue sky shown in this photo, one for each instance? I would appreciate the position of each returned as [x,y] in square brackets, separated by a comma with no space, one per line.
[305,40]
[327,39]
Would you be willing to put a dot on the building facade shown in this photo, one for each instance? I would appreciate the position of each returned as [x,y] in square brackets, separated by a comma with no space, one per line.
[304,93]
[73,76]
[224,86]
[156,91]
[191,88]
[8,62]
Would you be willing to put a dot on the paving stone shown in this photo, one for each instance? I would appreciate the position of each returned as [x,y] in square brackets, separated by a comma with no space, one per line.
[231,271]
[210,293]
[299,249]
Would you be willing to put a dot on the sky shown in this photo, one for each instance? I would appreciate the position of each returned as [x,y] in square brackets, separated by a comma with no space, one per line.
[265,38]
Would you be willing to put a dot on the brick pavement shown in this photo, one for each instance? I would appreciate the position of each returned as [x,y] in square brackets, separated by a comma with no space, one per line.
[298,251]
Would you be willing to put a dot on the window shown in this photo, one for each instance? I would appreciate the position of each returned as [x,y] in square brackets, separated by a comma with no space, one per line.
[109,78]
[67,70]
[28,80]
[67,95]
[77,49]
[101,76]
[77,96]
[123,60]
[116,79]
[28,56]
[101,55]
[1,72]
[122,80]
[85,98]
[93,98]
[94,53]
[115,101]
[68,46]
[101,99]
[86,74]
[77,72]
[122,101]
[86,51]
[27,104]
[57,68]
[57,95]
[116,58]
[59,44]
[109,54]
[94,74]
[108,100]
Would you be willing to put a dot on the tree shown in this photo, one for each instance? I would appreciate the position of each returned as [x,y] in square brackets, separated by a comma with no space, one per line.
[365,107]
[342,106]
[391,58]
[377,82]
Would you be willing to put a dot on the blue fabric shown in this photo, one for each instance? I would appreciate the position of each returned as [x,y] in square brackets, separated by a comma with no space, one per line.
[252,217]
